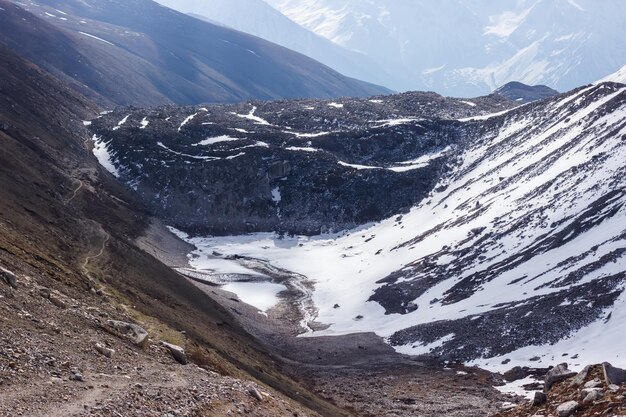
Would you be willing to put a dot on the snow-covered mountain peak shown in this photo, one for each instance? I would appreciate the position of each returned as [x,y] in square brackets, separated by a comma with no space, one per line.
[559,43]
[617,77]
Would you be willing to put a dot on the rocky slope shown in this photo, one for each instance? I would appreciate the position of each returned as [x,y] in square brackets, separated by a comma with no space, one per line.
[595,390]
[258,18]
[134,52]
[302,167]
[510,252]
[522,93]
[69,265]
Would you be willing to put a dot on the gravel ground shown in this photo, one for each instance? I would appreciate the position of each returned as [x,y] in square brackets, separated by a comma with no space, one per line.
[49,365]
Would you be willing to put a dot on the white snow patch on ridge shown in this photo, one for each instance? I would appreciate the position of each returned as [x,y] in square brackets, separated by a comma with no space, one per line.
[121,122]
[186,121]
[101,152]
[95,37]
[301,149]
[251,116]
[205,158]
[216,139]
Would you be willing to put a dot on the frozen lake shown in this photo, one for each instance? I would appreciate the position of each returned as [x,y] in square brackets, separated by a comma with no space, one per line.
[262,295]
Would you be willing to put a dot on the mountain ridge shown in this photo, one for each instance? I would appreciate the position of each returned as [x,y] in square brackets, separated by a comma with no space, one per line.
[561,43]
[119,60]
[258,18]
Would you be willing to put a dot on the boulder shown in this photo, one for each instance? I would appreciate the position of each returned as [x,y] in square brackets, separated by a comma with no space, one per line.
[567,409]
[45,292]
[613,375]
[105,351]
[579,379]
[137,334]
[539,399]
[8,277]
[595,383]
[613,388]
[557,374]
[255,393]
[177,352]
[593,395]
[515,374]
[57,301]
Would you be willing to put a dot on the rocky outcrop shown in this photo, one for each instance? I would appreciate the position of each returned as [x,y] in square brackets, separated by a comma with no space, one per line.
[557,374]
[522,93]
[178,353]
[613,375]
[8,277]
[137,334]
[585,394]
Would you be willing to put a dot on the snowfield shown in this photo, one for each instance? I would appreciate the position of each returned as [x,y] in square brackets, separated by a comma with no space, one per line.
[518,252]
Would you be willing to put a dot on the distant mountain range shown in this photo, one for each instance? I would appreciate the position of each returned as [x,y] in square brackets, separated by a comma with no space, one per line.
[137,52]
[471,47]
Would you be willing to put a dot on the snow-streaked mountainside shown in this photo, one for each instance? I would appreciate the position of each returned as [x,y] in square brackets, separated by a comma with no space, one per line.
[258,18]
[114,52]
[514,248]
[470,47]
[617,77]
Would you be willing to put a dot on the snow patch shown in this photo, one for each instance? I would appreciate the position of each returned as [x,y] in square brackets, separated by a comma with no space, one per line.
[216,139]
[101,152]
[95,37]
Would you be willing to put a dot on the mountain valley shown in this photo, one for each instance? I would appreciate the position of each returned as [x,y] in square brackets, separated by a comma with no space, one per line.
[195,221]
[514,212]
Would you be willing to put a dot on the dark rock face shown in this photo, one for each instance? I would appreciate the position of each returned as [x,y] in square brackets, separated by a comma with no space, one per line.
[136,52]
[557,374]
[515,374]
[304,167]
[613,375]
[522,93]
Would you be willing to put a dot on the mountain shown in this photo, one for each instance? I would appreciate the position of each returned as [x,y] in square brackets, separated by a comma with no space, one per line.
[114,52]
[258,18]
[506,243]
[306,154]
[559,43]
[71,267]
[522,93]
[617,77]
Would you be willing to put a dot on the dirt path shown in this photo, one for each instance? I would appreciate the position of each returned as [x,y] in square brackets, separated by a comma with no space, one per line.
[85,265]
[106,388]
[75,193]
